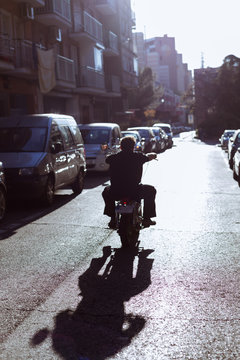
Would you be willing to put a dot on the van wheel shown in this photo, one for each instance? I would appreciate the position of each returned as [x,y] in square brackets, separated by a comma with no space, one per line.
[78,184]
[3,203]
[48,194]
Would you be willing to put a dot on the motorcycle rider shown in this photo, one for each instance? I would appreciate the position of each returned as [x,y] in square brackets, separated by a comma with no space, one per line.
[125,177]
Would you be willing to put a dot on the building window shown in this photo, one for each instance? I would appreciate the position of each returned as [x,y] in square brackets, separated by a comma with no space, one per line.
[5,23]
[98,59]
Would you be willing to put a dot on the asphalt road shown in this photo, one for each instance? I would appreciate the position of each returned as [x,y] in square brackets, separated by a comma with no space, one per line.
[67,291]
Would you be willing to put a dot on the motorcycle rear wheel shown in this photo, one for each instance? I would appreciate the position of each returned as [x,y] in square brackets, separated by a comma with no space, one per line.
[127,231]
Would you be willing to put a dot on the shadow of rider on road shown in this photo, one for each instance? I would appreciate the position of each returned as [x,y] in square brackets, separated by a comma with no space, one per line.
[99,327]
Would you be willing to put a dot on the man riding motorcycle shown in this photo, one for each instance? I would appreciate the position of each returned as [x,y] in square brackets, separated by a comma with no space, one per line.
[125,176]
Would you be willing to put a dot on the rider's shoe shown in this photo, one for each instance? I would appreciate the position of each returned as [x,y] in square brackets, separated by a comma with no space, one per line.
[148,222]
[112,224]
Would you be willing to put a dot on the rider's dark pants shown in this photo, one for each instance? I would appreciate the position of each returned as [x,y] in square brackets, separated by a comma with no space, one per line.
[145,192]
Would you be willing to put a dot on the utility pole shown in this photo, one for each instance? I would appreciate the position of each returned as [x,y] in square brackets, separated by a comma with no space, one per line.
[202,60]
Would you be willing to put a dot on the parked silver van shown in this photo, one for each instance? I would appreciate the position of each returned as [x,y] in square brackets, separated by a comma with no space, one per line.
[40,154]
[100,140]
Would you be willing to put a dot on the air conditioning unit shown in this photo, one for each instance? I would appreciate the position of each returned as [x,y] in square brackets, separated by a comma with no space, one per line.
[27,11]
[55,34]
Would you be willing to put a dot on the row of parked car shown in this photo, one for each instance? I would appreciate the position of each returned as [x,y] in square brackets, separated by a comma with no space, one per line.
[230,141]
[101,139]
[42,153]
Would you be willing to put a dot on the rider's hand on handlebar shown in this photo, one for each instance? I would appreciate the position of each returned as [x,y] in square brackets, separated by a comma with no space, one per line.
[152,156]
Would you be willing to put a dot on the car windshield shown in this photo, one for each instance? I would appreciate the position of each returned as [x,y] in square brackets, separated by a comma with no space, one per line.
[166,129]
[228,133]
[132,134]
[22,139]
[144,133]
[95,136]
[156,131]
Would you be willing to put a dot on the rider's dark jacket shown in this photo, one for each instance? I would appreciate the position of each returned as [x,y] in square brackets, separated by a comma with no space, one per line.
[125,172]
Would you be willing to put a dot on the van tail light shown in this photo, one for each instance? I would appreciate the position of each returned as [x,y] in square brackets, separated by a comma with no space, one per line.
[104,147]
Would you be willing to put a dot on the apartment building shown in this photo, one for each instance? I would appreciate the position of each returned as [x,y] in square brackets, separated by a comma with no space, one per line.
[160,55]
[139,49]
[66,56]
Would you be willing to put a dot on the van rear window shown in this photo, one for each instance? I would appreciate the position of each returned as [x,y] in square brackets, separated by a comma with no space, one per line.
[22,139]
[95,136]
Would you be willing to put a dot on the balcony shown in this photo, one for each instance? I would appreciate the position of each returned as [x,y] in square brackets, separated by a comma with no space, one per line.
[55,12]
[6,53]
[133,20]
[106,7]
[110,44]
[34,3]
[65,74]
[87,29]
[90,81]
[113,85]
[25,60]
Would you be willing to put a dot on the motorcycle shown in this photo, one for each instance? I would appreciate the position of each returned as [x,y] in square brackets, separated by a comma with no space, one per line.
[128,221]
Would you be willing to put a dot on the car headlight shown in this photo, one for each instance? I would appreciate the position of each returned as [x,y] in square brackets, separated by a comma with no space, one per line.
[26,171]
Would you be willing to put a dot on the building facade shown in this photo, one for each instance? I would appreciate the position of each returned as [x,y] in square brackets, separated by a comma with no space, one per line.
[171,76]
[139,49]
[160,55]
[66,56]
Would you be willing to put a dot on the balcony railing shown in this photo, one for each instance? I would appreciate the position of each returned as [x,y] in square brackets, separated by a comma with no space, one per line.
[87,28]
[91,78]
[65,70]
[111,43]
[54,8]
[23,55]
[6,48]
[92,26]
[133,19]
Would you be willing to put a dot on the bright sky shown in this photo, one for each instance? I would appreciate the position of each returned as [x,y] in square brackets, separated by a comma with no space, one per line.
[211,27]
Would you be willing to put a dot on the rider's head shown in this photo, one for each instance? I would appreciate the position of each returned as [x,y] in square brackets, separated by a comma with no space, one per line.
[128,143]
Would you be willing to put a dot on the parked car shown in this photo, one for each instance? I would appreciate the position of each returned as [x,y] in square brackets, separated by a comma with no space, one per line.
[100,140]
[236,165]
[233,144]
[165,138]
[147,135]
[168,130]
[160,140]
[225,138]
[3,193]
[42,153]
[139,146]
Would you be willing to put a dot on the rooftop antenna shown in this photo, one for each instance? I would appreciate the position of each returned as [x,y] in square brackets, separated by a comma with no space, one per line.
[202,60]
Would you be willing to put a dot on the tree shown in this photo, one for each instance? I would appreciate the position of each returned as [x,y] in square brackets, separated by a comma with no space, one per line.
[228,86]
[141,96]
[218,97]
